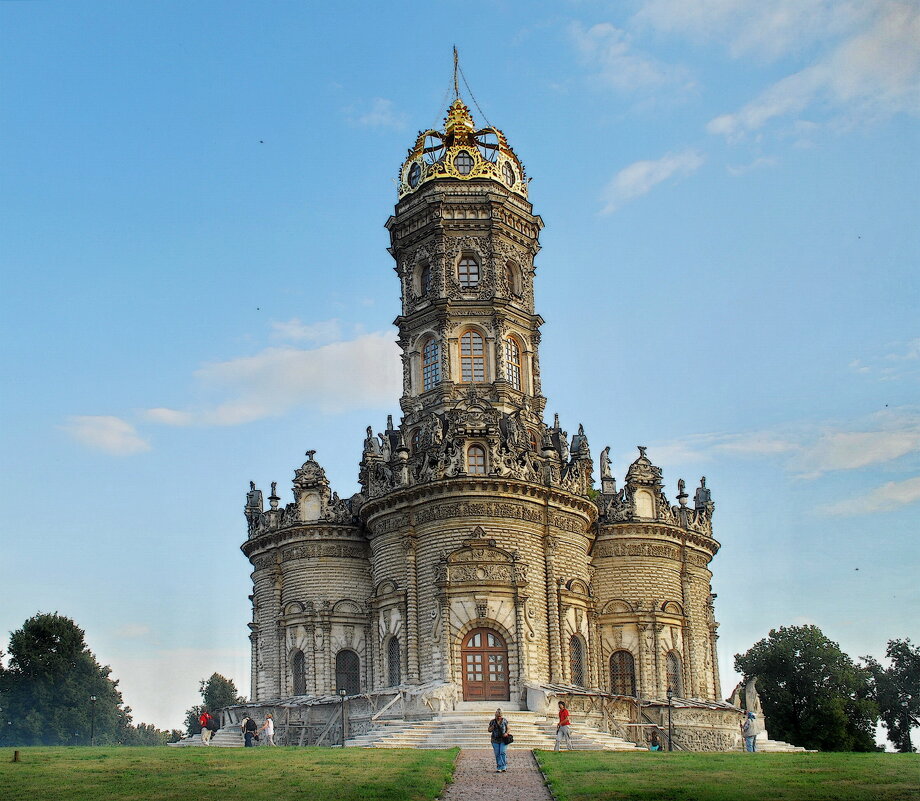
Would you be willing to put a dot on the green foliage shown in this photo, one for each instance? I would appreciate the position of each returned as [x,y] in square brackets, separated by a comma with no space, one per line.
[254,774]
[897,691]
[217,693]
[686,776]
[46,691]
[813,694]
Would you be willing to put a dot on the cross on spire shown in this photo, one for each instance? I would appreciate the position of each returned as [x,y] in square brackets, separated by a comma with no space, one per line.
[456,70]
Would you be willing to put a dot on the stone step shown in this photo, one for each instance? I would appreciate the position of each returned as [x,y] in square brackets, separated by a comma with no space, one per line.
[467,729]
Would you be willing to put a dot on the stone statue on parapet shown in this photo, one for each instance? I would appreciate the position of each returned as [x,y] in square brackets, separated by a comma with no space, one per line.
[605,463]
[703,497]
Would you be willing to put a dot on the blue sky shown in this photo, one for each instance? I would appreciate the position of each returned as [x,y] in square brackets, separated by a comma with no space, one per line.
[197,288]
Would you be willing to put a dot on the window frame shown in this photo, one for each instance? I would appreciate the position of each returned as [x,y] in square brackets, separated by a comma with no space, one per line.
[514,371]
[470,361]
[431,363]
[469,279]
[480,456]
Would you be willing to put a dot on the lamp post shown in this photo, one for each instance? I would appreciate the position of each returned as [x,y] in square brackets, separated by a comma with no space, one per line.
[342,693]
[92,721]
[670,728]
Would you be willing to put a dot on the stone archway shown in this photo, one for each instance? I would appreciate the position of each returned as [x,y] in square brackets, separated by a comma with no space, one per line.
[484,660]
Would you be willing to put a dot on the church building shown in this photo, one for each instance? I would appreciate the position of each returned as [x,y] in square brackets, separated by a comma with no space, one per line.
[480,560]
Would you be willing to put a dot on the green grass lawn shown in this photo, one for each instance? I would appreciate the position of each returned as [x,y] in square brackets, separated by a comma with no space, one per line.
[223,774]
[596,775]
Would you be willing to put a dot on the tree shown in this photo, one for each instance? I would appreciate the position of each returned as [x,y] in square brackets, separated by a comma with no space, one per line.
[813,694]
[217,693]
[897,691]
[46,690]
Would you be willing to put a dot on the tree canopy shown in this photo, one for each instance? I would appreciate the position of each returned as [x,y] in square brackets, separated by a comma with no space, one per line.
[217,693]
[46,691]
[813,694]
[897,691]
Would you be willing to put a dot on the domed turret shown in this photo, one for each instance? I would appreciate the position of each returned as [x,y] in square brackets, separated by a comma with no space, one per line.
[461,152]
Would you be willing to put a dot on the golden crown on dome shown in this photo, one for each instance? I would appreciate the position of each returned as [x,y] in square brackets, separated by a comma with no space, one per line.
[463,153]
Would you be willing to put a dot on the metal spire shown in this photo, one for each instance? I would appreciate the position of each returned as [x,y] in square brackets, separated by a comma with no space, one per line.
[456,69]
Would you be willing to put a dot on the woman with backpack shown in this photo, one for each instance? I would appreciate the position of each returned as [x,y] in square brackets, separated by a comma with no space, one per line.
[498,728]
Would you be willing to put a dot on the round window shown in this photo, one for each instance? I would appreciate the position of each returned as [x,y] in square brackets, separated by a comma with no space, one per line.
[415,174]
[508,171]
[463,161]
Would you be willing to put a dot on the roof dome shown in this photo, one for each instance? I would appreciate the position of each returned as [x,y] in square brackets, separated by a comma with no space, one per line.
[463,153]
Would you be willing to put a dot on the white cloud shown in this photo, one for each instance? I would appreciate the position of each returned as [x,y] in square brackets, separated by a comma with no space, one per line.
[887,497]
[873,72]
[753,27]
[808,451]
[608,51]
[381,114]
[641,177]
[364,372]
[320,332]
[168,417]
[850,450]
[756,164]
[106,433]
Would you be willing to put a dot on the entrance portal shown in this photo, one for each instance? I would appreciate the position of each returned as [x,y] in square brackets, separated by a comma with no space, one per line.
[484,657]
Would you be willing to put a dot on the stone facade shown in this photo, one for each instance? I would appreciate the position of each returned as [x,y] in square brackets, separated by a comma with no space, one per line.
[478,557]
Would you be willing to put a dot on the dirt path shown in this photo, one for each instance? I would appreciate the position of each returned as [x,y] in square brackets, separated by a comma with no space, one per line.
[475,778]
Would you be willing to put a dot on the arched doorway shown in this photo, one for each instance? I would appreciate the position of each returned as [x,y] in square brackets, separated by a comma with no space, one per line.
[484,657]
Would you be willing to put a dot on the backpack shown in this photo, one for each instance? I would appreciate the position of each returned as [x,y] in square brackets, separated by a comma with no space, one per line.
[212,724]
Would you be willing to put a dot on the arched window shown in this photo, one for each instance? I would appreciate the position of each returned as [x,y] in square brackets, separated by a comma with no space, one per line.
[425,280]
[393,654]
[472,358]
[431,364]
[674,674]
[416,440]
[476,460]
[468,272]
[348,672]
[577,660]
[513,363]
[299,670]
[622,673]
[534,442]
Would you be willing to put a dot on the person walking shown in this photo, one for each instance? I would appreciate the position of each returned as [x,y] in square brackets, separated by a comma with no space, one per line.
[498,728]
[269,728]
[563,728]
[249,730]
[205,720]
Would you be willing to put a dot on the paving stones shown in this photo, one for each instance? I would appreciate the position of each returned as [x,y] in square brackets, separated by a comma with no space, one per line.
[475,778]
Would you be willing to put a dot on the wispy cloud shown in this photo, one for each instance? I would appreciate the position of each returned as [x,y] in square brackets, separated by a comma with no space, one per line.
[873,72]
[608,52]
[131,631]
[808,451]
[382,113]
[641,177]
[755,28]
[320,332]
[887,497]
[360,373]
[106,433]
[900,361]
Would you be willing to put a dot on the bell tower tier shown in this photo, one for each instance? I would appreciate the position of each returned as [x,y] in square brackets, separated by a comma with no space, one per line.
[464,238]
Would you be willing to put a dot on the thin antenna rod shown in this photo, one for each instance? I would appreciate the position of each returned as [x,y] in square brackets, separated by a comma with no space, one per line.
[456,68]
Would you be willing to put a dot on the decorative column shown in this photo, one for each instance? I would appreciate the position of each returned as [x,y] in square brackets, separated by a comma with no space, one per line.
[594,646]
[552,601]
[412,618]
[645,685]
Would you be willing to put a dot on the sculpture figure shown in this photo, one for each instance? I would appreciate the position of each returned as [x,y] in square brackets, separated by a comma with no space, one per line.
[605,463]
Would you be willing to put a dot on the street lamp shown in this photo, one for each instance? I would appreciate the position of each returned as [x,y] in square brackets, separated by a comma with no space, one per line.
[342,693]
[92,721]
[670,728]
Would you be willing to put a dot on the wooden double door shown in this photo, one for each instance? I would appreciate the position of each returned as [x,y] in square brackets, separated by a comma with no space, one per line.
[484,656]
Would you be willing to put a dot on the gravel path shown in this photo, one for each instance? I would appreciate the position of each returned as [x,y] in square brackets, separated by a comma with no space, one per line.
[475,778]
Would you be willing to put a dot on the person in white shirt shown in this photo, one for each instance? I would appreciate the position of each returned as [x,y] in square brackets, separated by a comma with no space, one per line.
[269,728]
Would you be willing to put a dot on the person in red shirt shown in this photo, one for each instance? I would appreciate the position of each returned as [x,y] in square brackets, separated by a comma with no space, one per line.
[563,732]
[205,720]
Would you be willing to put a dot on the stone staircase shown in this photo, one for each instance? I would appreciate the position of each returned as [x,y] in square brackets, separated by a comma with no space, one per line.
[467,727]
[222,738]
